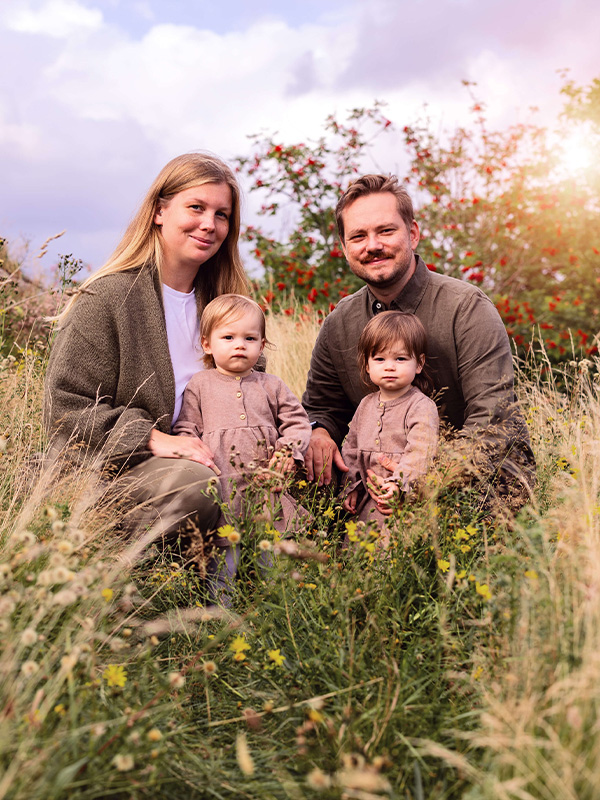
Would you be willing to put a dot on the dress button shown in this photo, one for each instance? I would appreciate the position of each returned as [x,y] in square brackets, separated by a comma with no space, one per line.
[242,416]
[379,424]
[238,378]
[239,394]
[376,441]
[380,405]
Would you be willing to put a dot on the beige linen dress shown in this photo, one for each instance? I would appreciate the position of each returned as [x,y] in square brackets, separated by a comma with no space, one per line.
[405,429]
[244,421]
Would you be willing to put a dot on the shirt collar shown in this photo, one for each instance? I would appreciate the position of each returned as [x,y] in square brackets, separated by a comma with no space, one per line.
[409,298]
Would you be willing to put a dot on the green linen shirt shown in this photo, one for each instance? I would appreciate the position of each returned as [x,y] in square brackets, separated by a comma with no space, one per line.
[469,359]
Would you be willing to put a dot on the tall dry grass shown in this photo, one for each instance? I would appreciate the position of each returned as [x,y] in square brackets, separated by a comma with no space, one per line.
[342,675]
[293,341]
[538,734]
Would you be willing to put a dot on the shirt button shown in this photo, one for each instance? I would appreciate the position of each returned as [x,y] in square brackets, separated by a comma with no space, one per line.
[239,394]
[238,378]
[376,441]
[380,405]
[379,424]
[242,416]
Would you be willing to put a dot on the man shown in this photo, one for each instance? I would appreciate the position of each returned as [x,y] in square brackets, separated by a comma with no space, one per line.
[469,355]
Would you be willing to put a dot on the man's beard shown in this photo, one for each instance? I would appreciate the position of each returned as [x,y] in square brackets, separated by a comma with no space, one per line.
[400,268]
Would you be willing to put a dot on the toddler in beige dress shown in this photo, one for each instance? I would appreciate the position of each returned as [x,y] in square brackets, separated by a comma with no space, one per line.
[248,419]
[398,423]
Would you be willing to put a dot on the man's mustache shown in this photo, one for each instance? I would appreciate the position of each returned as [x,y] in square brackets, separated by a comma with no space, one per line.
[376,256]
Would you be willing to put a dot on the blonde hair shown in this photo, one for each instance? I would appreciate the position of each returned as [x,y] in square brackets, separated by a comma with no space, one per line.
[141,245]
[227,308]
[385,331]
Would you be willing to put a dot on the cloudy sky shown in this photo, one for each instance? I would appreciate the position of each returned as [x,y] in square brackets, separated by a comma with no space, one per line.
[97,95]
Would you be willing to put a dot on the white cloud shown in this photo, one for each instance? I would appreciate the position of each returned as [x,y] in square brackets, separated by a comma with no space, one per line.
[55,18]
[94,111]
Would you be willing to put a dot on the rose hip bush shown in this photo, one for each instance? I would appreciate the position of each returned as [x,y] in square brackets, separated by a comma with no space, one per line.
[307,267]
[494,207]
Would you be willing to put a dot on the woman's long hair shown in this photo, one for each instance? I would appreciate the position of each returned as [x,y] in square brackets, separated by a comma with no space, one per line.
[141,245]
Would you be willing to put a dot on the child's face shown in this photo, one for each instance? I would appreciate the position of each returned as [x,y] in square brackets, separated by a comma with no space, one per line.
[235,345]
[393,371]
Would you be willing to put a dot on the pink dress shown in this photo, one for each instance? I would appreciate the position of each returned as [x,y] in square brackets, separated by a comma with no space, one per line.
[244,421]
[405,429]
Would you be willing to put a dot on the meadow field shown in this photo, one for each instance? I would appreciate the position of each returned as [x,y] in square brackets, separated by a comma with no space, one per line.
[464,664]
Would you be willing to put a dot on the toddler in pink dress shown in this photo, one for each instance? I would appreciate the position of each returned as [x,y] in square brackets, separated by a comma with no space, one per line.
[398,423]
[248,419]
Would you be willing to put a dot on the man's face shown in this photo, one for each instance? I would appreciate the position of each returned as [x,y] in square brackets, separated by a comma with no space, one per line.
[377,244]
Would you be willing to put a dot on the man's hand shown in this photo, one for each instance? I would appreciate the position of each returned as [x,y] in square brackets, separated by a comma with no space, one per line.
[350,502]
[165,446]
[322,453]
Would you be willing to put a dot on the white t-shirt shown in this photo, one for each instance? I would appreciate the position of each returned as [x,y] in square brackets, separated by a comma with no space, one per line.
[183,333]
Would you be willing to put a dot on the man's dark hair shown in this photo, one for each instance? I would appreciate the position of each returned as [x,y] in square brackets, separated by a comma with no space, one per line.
[374,184]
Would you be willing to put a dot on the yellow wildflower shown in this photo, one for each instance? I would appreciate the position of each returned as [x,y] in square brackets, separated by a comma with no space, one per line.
[238,646]
[443,565]
[115,675]
[154,735]
[531,574]
[330,514]
[276,656]
[471,530]
[60,709]
[225,530]
[461,534]
[107,594]
[310,585]
[315,716]
[271,531]
[351,531]
[484,590]
[464,548]
[462,574]
[302,484]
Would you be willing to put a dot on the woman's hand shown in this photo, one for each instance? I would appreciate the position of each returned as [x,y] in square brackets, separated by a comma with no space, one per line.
[164,445]
[350,502]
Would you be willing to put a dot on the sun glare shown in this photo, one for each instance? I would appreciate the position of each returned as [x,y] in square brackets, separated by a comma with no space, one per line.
[576,153]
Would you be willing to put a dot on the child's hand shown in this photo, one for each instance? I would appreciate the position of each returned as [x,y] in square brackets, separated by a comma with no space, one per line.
[282,462]
[385,493]
[350,502]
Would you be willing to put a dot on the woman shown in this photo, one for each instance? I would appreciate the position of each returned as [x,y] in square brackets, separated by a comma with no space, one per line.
[128,343]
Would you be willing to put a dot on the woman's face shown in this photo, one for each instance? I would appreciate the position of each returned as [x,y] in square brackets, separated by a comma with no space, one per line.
[194,224]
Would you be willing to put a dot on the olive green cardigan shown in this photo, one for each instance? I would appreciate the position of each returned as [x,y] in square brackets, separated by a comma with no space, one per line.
[110,379]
